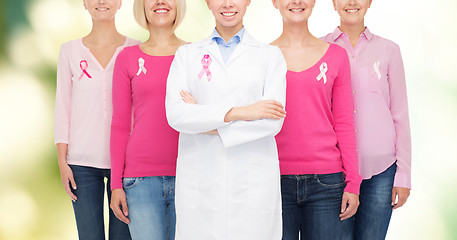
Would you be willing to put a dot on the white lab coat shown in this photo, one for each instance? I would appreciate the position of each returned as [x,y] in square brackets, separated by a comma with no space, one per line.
[227,186]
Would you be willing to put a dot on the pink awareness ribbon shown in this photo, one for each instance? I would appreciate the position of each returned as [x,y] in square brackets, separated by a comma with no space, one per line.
[206,61]
[83,64]
[323,69]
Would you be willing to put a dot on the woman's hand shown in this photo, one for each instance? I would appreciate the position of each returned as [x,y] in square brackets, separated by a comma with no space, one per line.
[118,199]
[262,109]
[187,97]
[66,175]
[402,194]
[349,205]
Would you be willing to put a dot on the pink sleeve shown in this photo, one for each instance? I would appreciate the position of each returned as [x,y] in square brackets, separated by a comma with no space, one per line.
[399,110]
[62,112]
[122,117]
[343,114]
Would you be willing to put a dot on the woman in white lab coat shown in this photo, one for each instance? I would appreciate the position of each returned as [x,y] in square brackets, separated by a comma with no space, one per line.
[227,179]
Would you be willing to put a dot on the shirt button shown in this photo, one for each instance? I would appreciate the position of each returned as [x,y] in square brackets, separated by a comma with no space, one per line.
[354,92]
[355,111]
[355,130]
[352,56]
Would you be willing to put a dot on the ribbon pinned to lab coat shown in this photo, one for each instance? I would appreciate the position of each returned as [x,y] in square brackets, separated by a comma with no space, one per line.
[84,65]
[376,69]
[141,67]
[206,61]
[323,68]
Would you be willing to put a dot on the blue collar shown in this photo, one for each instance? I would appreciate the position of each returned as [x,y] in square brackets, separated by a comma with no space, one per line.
[235,39]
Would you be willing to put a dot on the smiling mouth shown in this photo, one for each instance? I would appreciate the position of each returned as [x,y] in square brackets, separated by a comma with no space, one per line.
[162,10]
[102,9]
[296,10]
[228,14]
[352,10]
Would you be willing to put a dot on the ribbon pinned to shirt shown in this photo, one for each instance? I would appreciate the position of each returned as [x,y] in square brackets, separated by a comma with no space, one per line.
[376,69]
[206,61]
[323,68]
[84,65]
[141,67]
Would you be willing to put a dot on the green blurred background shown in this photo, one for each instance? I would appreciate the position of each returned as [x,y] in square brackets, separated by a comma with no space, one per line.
[33,204]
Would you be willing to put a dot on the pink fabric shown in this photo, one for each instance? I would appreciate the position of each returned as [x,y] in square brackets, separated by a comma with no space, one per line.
[83,104]
[151,148]
[318,133]
[381,117]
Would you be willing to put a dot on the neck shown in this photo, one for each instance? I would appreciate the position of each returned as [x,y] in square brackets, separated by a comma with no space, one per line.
[296,34]
[103,32]
[228,32]
[161,36]
[353,30]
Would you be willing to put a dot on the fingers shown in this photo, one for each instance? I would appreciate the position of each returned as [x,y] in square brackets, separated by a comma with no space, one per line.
[187,97]
[125,209]
[273,114]
[344,204]
[117,210]
[276,103]
[349,204]
[212,132]
[277,106]
[394,197]
[274,110]
[66,184]
[401,195]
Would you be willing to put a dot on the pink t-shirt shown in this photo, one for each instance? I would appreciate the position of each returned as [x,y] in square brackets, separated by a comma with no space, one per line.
[151,147]
[318,133]
[381,105]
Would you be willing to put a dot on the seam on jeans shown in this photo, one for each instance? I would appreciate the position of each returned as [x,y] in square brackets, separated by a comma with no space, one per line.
[330,185]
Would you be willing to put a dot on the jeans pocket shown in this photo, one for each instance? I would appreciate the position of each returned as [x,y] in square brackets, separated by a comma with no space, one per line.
[129,182]
[332,180]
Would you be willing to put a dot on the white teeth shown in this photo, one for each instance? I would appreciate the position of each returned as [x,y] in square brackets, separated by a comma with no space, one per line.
[352,10]
[161,11]
[297,9]
[102,9]
[228,14]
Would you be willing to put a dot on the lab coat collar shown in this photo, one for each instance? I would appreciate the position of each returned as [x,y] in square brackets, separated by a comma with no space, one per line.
[213,49]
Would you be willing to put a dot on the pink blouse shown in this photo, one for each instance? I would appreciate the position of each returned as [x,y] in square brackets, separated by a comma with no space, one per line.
[83,104]
[381,105]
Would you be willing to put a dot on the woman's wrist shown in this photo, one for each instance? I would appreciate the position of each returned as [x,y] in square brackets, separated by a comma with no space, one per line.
[232,114]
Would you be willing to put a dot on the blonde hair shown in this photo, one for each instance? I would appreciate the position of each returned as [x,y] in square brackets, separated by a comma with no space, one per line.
[140,15]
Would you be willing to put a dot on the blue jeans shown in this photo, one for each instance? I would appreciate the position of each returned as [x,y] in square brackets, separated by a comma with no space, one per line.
[311,205]
[151,203]
[89,206]
[373,215]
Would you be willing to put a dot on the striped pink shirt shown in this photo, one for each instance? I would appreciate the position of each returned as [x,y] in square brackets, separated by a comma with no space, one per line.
[318,133]
[151,148]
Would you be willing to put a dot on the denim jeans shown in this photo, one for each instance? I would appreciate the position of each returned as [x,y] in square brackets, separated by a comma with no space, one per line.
[151,203]
[311,205]
[89,206]
[373,215]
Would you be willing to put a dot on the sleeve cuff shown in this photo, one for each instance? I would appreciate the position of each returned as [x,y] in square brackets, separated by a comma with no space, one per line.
[402,180]
[116,185]
[352,188]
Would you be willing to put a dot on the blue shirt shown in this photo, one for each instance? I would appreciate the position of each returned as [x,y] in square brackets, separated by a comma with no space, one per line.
[227,49]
